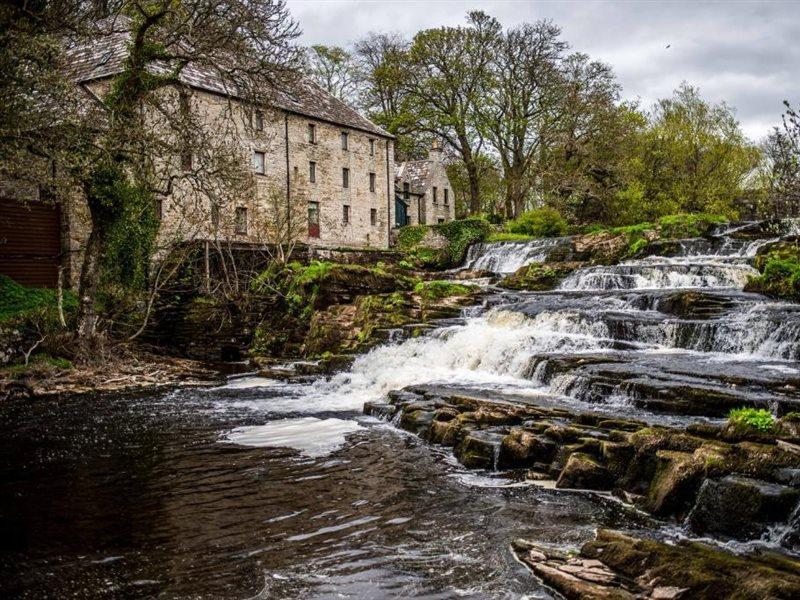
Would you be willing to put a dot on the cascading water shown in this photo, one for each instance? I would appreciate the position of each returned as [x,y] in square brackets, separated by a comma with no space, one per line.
[507,257]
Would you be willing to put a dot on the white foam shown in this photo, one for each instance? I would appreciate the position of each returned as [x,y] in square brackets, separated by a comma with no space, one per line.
[311,436]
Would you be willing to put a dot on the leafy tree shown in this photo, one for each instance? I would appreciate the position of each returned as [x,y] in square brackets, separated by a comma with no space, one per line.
[449,67]
[335,70]
[490,186]
[522,95]
[385,74]
[585,164]
[692,157]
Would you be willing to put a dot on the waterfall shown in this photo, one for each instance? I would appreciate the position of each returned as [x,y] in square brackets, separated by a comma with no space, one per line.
[507,257]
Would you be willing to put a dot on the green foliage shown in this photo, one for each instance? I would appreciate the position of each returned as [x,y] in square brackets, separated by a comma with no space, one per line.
[539,222]
[19,301]
[409,236]
[438,289]
[504,236]
[458,235]
[688,225]
[751,418]
[780,278]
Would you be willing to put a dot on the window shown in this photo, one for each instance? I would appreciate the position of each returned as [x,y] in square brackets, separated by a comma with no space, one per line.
[435,194]
[373,216]
[440,221]
[241,220]
[446,196]
[344,140]
[312,133]
[159,209]
[372,182]
[372,147]
[406,191]
[345,177]
[215,215]
[258,162]
[259,121]
[313,219]
[346,214]
[184,102]
[312,172]
[186,160]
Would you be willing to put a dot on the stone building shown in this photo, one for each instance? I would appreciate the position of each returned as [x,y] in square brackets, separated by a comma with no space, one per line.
[423,194]
[321,172]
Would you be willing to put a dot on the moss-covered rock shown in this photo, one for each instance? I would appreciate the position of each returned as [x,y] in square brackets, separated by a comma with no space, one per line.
[584,472]
[539,277]
[441,246]
[740,507]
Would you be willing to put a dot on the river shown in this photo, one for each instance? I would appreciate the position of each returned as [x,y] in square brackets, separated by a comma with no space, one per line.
[266,489]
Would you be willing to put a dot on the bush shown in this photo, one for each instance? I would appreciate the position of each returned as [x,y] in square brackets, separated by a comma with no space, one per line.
[539,222]
[458,236]
[780,275]
[751,418]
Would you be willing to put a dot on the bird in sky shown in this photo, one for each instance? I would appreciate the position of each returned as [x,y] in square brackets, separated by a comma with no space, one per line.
[669,45]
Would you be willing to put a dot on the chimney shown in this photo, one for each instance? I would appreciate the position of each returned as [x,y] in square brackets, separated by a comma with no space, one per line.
[435,153]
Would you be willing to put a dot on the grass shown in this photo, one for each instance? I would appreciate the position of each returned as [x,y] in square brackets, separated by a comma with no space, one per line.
[759,419]
[38,363]
[19,300]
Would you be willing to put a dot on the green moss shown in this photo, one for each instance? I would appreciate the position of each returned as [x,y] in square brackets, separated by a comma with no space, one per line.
[539,222]
[758,419]
[436,290]
[538,277]
[19,301]
[458,236]
[504,236]
[688,225]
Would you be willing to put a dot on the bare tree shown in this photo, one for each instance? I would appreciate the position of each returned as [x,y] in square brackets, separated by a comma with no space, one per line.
[335,70]
[244,47]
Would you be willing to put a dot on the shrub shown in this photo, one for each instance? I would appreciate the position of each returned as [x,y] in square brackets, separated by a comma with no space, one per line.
[759,419]
[459,235]
[539,222]
[780,278]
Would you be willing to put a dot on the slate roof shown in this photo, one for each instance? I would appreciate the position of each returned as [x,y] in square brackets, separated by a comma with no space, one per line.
[416,173]
[105,57]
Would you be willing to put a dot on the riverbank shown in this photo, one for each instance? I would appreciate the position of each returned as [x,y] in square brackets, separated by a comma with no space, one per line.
[125,370]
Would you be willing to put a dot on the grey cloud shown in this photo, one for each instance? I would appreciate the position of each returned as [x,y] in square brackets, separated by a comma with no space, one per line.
[744,53]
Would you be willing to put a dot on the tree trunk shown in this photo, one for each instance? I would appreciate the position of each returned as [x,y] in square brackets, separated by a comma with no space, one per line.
[89,283]
[474,189]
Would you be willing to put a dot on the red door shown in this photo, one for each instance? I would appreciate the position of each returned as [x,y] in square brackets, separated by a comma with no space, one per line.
[313,219]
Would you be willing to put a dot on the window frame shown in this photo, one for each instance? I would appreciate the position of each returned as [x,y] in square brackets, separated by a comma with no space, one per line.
[373,217]
[345,178]
[312,171]
[373,180]
[345,140]
[345,214]
[372,146]
[240,223]
[435,194]
[446,197]
[263,156]
[259,121]
[312,133]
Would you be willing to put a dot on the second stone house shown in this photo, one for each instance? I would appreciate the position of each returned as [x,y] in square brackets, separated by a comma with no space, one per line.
[423,194]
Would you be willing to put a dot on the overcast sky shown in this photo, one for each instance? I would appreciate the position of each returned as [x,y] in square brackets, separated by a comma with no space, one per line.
[745,53]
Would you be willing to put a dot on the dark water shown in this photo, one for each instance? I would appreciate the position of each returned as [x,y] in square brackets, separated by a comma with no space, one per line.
[121,497]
